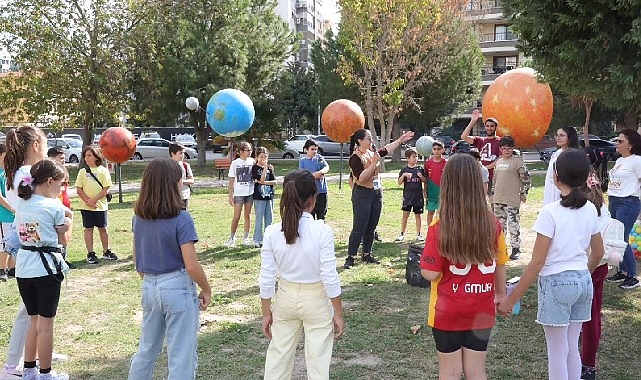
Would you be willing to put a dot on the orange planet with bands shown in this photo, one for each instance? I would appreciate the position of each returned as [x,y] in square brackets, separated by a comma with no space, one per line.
[341,118]
[522,105]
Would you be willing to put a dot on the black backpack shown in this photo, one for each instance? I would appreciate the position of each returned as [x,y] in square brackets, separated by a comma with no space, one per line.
[413,267]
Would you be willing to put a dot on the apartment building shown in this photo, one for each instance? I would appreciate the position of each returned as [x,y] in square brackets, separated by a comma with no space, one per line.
[6,64]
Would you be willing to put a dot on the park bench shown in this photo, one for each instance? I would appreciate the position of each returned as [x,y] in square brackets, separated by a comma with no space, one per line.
[222,164]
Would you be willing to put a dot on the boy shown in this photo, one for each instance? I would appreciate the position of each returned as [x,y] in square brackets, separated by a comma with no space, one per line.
[316,164]
[510,187]
[412,178]
[58,154]
[177,153]
[485,174]
[434,169]
[6,218]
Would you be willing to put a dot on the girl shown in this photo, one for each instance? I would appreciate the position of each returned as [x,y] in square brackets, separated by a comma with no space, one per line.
[165,257]
[624,189]
[241,191]
[40,221]
[467,272]
[264,181]
[366,192]
[560,260]
[92,184]
[300,250]
[566,138]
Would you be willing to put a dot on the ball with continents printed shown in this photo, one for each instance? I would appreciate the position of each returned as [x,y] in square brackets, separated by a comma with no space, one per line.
[522,104]
[230,112]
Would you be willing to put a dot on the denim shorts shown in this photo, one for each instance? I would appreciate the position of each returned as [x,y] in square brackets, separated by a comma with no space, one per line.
[565,297]
[243,200]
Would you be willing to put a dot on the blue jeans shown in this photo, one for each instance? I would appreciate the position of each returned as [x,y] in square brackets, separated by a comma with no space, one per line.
[170,308]
[264,211]
[626,210]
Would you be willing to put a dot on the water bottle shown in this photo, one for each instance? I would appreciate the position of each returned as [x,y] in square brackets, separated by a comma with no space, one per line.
[511,284]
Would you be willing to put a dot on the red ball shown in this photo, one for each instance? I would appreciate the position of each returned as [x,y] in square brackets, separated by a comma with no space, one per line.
[117,144]
[341,118]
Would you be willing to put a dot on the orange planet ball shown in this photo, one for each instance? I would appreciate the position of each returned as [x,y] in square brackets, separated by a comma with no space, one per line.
[117,144]
[341,118]
[522,105]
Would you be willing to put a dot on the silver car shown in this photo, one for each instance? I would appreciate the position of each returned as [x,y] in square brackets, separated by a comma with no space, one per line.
[72,148]
[149,148]
[328,147]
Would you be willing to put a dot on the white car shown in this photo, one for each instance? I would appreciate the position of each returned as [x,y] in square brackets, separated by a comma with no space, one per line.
[297,142]
[72,136]
[72,148]
[148,148]
[187,141]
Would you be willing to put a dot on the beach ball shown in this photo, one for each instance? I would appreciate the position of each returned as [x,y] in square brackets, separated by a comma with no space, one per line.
[522,105]
[117,144]
[634,239]
[341,118]
[230,112]
[424,146]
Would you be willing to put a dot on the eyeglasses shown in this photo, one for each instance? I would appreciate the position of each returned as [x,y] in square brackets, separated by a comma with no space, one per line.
[560,136]
[367,138]
[437,148]
[619,141]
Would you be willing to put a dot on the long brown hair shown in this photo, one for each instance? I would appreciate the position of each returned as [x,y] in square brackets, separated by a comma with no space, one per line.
[592,190]
[96,153]
[159,196]
[468,228]
[18,142]
[298,186]
[40,173]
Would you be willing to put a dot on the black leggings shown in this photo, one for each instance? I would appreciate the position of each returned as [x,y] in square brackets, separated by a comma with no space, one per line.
[366,207]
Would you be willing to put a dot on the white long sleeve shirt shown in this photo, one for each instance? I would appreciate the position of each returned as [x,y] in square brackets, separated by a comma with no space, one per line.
[309,260]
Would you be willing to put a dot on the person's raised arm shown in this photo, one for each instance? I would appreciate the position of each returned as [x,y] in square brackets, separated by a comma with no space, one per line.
[466,132]
[397,143]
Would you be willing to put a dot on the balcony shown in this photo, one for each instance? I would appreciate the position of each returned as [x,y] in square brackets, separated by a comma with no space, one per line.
[490,73]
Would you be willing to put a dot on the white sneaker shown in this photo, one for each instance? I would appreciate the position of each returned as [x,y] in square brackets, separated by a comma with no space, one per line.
[248,241]
[400,238]
[231,242]
[9,372]
[257,244]
[420,237]
[30,374]
[53,376]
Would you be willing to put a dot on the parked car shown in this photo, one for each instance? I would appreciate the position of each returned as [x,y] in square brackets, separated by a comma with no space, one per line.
[602,148]
[147,148]
[447,142]
[72,136]
[186,140]
[96,139]
[72,148]
[284,153]
[460,146]
[296,142]
[149,135]
[328,147]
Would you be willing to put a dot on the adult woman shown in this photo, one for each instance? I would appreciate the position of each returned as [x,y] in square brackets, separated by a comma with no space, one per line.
[366,194]
[566,138]
[299,250]
[624,189]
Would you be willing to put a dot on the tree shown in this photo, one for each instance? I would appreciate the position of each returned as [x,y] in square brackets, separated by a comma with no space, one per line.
[70,55]
[591,52]
[399,46]
[293,92]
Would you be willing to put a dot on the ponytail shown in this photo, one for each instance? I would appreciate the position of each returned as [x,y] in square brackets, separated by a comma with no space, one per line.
[576,198]
[40,174]
[572,168]
[298,187]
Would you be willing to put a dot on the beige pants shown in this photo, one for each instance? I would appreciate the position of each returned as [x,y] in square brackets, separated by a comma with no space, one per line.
[296,307]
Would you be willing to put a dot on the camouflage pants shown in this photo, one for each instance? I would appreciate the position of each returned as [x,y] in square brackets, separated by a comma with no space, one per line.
[510,220]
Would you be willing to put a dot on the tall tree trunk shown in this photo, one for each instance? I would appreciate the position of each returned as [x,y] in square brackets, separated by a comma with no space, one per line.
[587,103]
[630,119]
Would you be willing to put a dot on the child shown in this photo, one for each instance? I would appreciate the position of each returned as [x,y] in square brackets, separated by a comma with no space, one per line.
[565,229]
[485,174]
[317,165]
[177,153]
[241,191]
[464,257]
[300,251]
[509,188]
[263,175]
[6,216]
[40,220]
[58,154]
[165,257]
[92,185]
[412,178]
[434,169]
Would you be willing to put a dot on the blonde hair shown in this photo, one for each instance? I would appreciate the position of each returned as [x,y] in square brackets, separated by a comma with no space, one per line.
[468,229]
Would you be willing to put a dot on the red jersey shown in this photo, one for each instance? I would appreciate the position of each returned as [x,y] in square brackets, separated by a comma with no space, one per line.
[462,298]
[434,170]
[64,196]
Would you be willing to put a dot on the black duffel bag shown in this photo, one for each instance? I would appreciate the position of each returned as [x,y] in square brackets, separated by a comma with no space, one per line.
[413,267]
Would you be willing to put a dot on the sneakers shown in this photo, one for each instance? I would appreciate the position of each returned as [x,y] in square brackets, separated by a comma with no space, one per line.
[30,374]
[516,253]
[11,272]
[9,372]
[370,259]
[630,283]
[420,237]
[400,238]
[92,258]
[108,255]
[257,244]
[588,373]
[617,277]
[349,262]
[3,275]
[53,376]
[230,243]
[248,241]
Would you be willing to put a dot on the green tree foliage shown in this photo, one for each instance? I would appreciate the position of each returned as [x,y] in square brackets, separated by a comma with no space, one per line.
[293,92]
[589,50]
[70,55]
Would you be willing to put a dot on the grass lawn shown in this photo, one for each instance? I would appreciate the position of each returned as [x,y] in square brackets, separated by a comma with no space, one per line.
[98,322]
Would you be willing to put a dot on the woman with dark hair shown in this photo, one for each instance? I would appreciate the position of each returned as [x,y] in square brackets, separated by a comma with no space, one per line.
[566,138]
[624,189]
[300,251]
[364,164]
